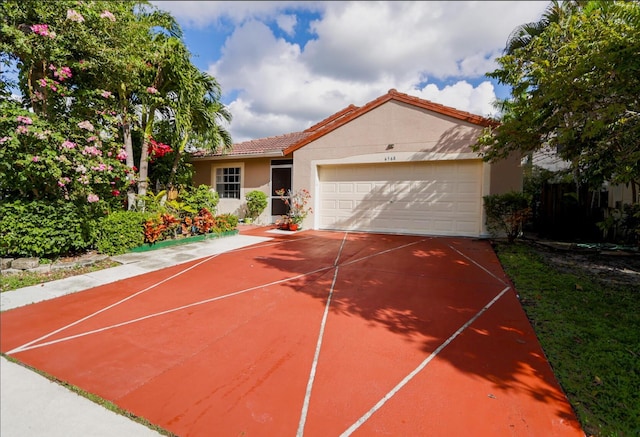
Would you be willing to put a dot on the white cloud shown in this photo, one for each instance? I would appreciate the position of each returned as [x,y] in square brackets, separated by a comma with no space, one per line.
[287,23]
[358,52]
[462,95]
[204,13]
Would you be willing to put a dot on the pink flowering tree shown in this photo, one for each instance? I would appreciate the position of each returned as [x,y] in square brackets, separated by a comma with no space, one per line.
[100,75]
[74,60]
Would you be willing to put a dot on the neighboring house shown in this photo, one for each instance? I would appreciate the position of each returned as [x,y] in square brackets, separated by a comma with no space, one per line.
[616,195]
[397,164]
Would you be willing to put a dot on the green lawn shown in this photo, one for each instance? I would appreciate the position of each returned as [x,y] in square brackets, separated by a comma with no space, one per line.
[590,332]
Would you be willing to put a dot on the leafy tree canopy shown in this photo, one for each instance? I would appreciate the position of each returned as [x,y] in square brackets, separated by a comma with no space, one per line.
[575,79]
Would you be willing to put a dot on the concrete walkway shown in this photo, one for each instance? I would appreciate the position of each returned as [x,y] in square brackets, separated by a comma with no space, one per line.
[31,405]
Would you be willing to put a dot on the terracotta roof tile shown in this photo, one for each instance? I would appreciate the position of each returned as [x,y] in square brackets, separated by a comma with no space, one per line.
[261,146]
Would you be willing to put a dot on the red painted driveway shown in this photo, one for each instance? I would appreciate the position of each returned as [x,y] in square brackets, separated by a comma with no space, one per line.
[315,334]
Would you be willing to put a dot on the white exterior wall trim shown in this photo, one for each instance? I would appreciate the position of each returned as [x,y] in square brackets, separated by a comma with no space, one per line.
[381,158]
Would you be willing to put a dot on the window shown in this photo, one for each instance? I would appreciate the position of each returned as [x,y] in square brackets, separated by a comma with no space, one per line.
[228,182]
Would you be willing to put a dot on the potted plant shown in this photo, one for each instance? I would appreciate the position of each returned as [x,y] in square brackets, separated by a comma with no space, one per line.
[283,223]
[298,203]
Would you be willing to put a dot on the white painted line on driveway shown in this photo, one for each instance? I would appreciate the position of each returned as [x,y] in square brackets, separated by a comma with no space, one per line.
[418,369]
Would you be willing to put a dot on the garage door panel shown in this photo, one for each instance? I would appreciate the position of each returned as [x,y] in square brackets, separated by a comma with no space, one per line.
[364,188]
[441,198]
[468,188]
[328,187]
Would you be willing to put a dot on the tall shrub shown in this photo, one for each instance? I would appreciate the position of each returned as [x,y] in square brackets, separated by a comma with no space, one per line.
[507,213]
[256,203]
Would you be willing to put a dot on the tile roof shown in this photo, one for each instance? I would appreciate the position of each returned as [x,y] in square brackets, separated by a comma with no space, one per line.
[265,146]
[284,144]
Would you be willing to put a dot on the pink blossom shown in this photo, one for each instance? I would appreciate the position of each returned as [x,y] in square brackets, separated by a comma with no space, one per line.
[42,29]
[91,198]
[63,73]
[92,138]
[116,193]
[24,120]
[101,167]
[42,82]
[4,139]
[91,150]
[38,95]
[122,155]
[22,129]
[35,158]
[63,181]
[106,94]
[107,14]
[86,125]
[74,15]
[69,145]
[151,90]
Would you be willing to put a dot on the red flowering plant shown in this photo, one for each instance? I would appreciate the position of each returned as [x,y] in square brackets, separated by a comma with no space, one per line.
[158,149]
[204,221]
[298,203]
[158,228]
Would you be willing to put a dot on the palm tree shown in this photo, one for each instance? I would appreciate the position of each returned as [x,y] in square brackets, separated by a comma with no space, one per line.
[522,35]
[198,118]
[186,98]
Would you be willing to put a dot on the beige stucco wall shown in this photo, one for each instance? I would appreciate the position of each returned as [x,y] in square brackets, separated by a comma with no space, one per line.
[202,173]
[255,175]
[416,134]
[506,175]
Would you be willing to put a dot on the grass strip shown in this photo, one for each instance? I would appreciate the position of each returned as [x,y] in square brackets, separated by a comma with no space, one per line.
[14,281]
[590,332]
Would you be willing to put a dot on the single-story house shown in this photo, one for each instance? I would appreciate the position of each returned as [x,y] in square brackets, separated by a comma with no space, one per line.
[397,164]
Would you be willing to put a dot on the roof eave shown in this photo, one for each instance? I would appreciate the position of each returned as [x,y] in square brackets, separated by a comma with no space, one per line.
[270,154]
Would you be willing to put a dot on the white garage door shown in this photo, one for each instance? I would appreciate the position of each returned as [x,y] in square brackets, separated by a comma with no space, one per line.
[432,198]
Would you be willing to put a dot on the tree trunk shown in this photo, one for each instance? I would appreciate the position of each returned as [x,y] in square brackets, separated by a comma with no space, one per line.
[128,146]
[144,167]
[147,126]
[176,161]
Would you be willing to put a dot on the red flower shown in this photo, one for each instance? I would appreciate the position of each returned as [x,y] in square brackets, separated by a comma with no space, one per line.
[157,149]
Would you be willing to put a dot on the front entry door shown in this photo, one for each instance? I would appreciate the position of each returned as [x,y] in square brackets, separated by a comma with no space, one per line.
[281,172]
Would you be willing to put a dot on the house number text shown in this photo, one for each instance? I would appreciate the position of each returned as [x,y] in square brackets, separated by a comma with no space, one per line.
[390,158]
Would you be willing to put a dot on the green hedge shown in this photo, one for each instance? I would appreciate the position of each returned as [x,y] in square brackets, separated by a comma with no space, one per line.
[44,228]
[120,231]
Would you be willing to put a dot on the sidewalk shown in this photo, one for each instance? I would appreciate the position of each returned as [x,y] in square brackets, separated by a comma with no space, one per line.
[31,405]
